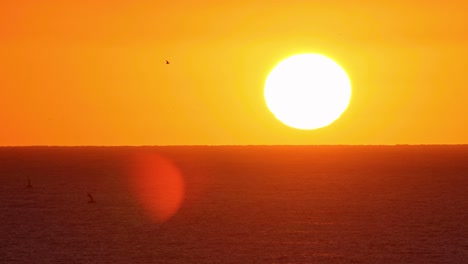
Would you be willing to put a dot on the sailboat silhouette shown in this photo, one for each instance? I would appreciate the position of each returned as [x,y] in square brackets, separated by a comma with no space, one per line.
[91,198]
[29,183]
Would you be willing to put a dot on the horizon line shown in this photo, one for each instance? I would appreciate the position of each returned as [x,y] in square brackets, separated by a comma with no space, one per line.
[232,145]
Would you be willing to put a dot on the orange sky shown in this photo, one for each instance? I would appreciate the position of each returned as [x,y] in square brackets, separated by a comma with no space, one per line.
[90,72]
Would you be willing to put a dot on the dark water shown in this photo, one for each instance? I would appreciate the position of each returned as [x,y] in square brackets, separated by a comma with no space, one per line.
[404,204]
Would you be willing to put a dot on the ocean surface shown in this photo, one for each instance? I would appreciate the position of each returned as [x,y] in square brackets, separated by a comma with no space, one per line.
[228,204]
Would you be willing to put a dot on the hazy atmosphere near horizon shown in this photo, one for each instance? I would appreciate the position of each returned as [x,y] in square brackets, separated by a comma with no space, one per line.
[95,72]
[237,131]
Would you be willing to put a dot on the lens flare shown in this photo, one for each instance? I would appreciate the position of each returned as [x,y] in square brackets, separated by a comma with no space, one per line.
[158,185]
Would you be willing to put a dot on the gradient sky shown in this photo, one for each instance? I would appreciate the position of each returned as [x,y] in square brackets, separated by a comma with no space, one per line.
[90,72]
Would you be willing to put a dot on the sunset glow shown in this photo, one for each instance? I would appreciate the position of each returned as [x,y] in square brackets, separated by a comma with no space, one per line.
[95,73]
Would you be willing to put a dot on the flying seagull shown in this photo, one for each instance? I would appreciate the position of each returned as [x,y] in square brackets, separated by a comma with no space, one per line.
[167,62]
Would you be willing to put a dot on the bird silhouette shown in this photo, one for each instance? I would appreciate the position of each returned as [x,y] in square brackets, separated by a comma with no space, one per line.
[167,62]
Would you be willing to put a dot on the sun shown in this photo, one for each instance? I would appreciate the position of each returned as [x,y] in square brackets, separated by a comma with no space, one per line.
[307,91]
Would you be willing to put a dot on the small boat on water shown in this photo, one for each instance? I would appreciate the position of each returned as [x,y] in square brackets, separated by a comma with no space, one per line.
[29,183]
[91,198]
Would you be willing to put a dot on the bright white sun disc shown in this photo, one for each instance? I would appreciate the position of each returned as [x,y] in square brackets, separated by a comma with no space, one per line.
[307,91]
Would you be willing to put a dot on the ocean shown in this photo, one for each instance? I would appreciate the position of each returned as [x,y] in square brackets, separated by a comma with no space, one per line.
[234,204]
